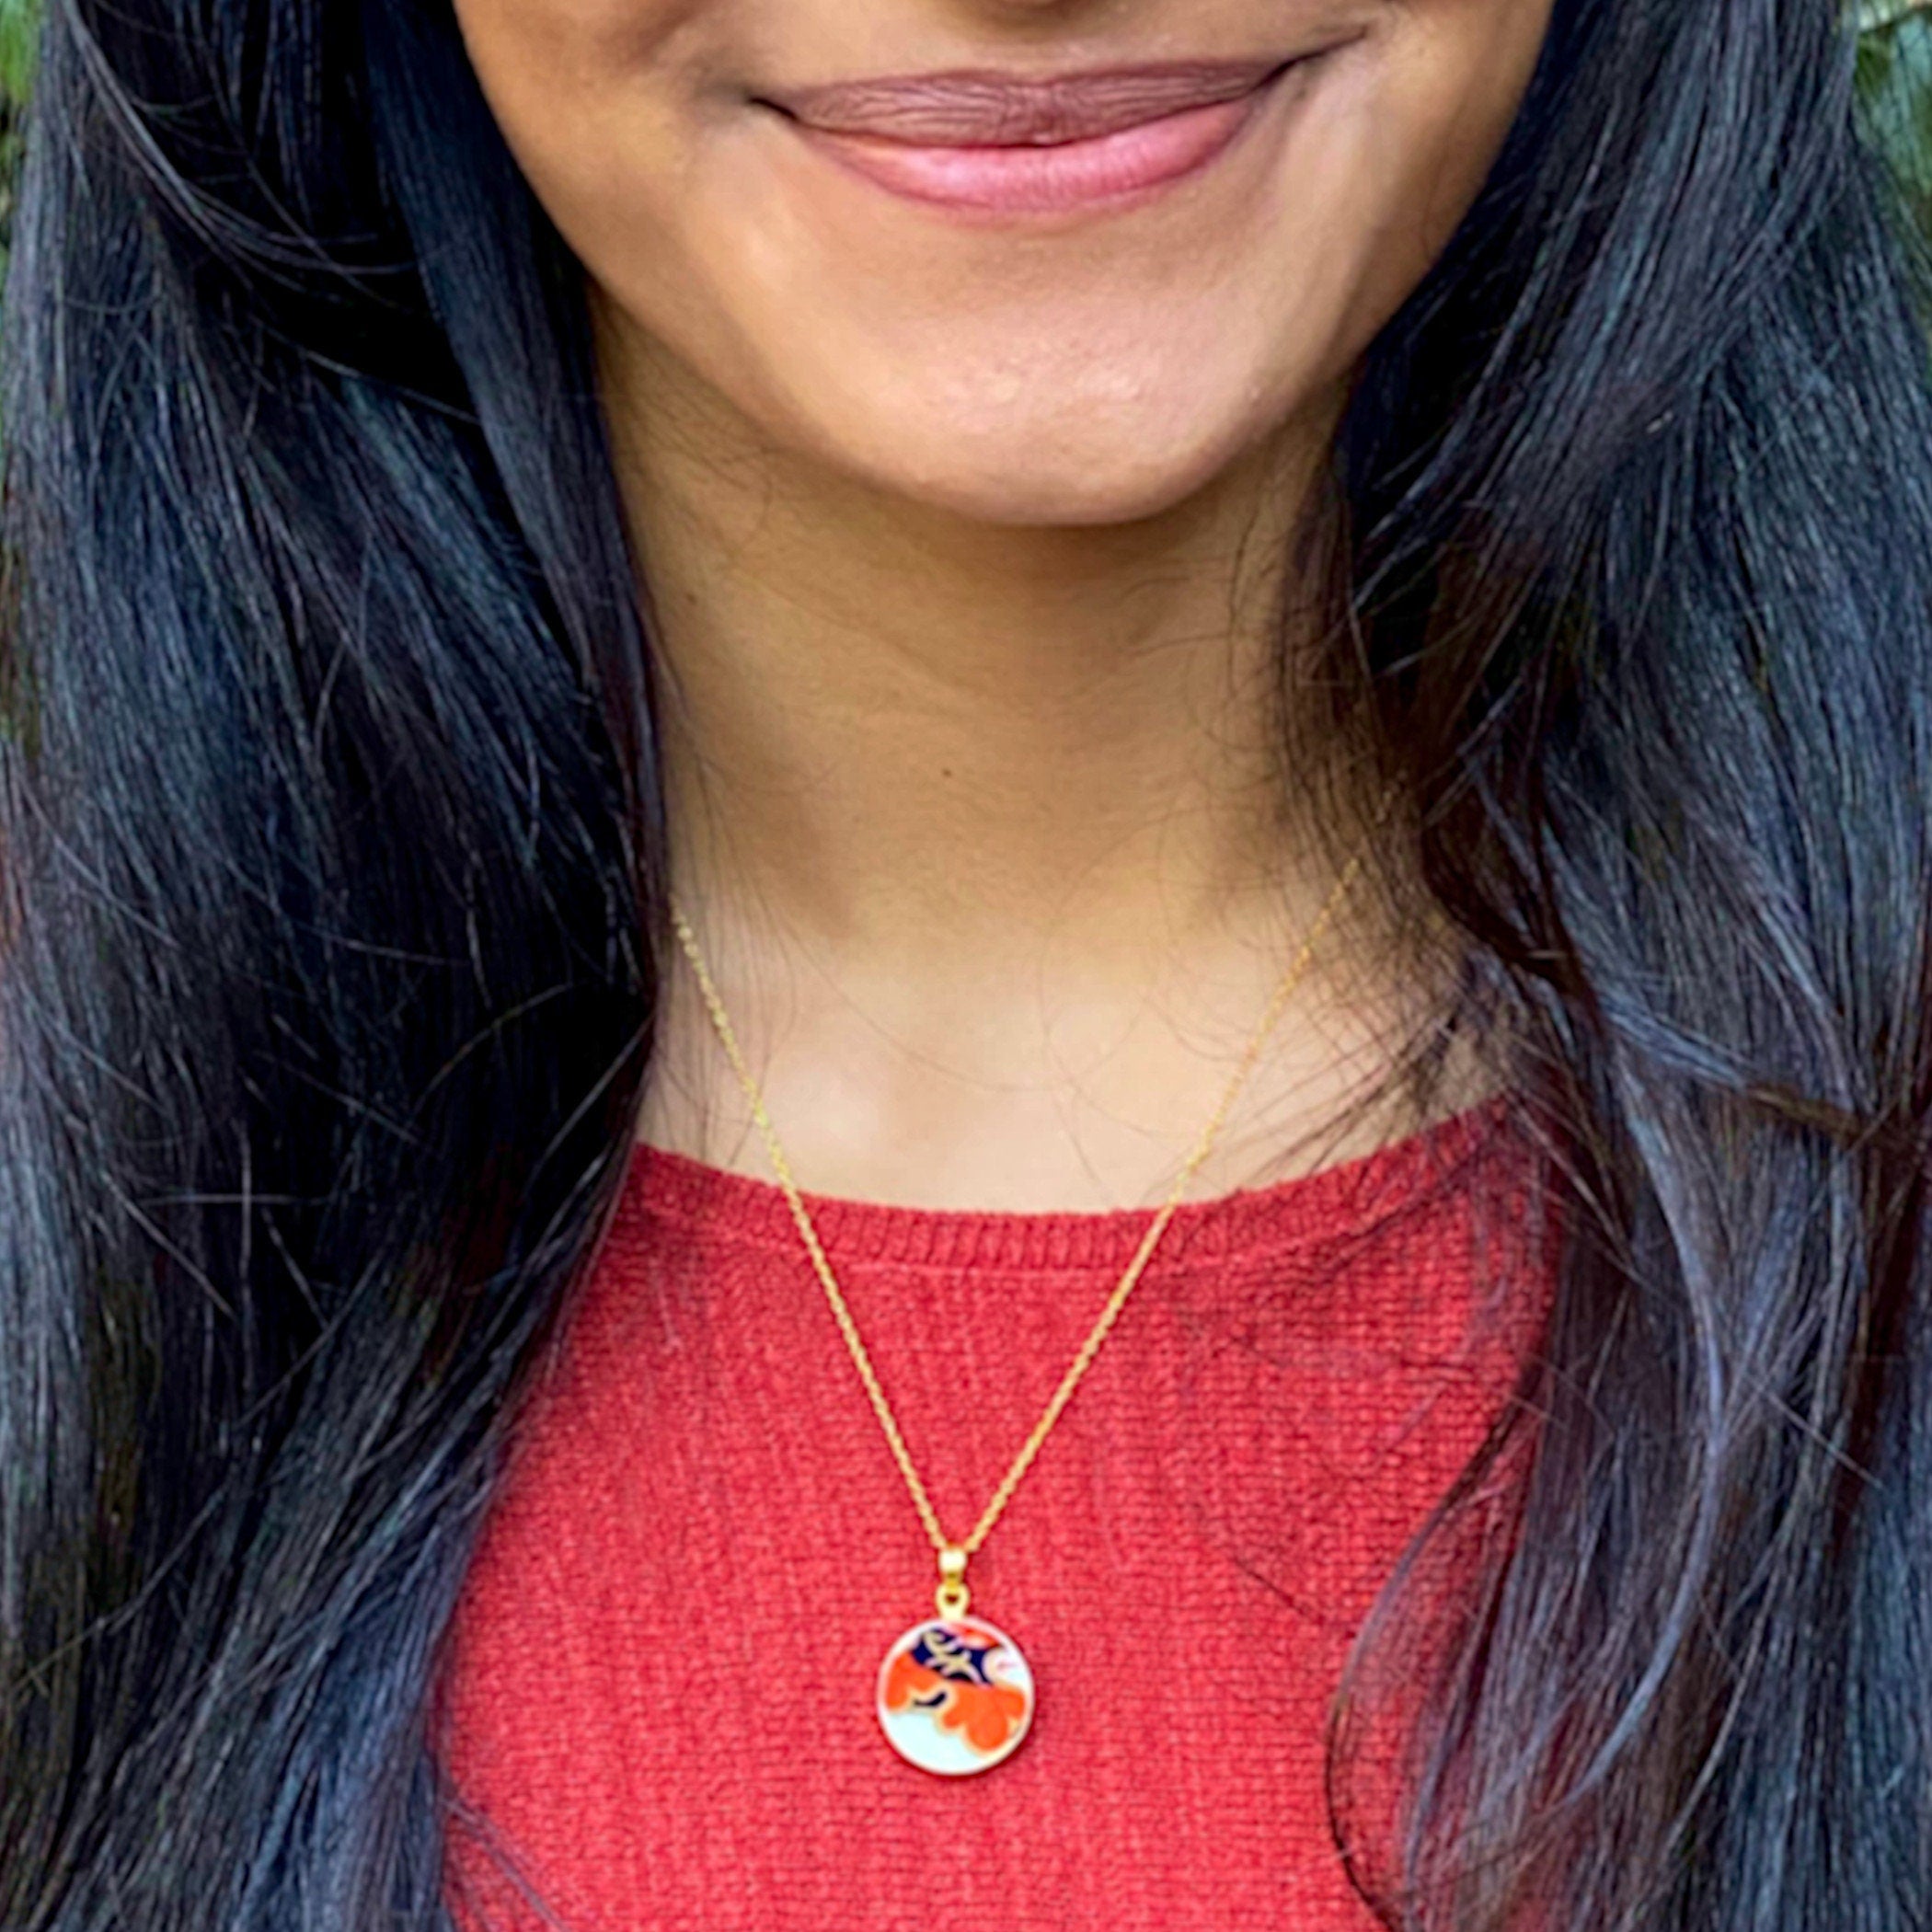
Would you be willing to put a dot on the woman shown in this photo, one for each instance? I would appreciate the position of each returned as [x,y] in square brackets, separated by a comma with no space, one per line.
[1351,574]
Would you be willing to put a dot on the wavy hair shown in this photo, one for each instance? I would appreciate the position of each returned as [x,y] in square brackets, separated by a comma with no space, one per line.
[333,922]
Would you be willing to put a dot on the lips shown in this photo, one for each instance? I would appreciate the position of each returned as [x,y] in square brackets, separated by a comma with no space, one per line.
[986,146]
[976,107]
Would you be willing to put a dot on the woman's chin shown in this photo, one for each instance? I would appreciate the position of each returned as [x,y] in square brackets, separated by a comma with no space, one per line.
[1115,467]
[1103,490]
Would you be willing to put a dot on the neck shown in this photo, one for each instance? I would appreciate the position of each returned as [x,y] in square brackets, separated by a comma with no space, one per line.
[953,768]
[878,714]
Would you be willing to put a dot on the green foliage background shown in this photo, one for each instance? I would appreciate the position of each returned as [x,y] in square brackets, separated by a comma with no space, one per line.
[19,22]
[1894,78]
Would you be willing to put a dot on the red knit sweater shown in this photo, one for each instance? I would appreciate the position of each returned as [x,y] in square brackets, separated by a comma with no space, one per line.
[659,1688]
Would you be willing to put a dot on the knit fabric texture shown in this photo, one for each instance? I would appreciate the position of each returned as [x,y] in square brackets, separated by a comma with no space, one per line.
[657,1701]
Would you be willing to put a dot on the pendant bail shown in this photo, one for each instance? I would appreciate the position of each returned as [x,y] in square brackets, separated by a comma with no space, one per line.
[952,1595]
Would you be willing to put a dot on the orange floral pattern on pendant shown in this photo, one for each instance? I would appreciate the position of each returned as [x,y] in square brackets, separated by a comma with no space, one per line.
[955,1695]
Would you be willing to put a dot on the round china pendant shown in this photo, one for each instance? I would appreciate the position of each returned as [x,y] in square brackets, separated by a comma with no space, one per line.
[955,1695]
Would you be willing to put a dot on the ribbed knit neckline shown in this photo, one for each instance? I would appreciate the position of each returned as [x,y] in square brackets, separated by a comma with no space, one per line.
[1343,1197]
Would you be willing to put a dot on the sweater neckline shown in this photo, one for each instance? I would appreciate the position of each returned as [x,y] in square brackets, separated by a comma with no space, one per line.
[1342,1199]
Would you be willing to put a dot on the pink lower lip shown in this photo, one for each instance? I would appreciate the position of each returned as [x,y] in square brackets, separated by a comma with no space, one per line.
[1070,174]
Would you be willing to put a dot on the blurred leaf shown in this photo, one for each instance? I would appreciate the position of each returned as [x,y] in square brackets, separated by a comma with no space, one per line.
[20,45]
[19,49]
[1895,94]
[1871,14]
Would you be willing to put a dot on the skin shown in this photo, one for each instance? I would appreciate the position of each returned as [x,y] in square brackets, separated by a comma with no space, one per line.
[964,543]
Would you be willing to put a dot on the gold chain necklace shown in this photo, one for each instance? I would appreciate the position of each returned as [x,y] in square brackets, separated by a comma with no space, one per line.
[955,1695]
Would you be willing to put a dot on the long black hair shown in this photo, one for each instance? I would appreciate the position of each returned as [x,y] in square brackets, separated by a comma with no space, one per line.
[331,860]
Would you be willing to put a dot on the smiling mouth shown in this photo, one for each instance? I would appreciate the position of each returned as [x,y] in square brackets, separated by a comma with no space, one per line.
[982,108]
[988,145]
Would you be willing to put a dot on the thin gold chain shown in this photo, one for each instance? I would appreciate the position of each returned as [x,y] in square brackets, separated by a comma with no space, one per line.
[957,1553]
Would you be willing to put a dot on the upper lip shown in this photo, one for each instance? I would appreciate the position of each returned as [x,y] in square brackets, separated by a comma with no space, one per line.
[971,107]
